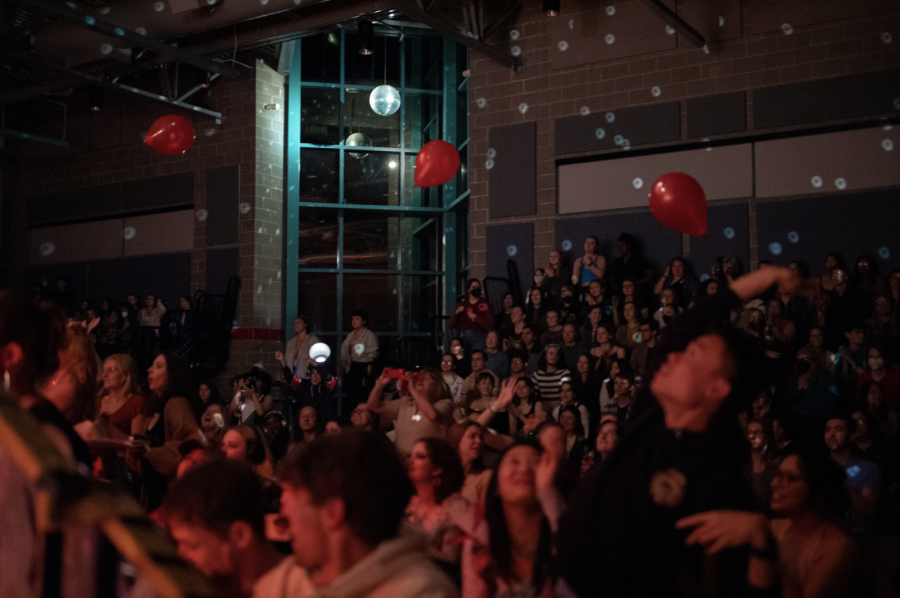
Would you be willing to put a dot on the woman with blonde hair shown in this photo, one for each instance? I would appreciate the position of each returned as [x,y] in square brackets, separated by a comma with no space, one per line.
[120,407]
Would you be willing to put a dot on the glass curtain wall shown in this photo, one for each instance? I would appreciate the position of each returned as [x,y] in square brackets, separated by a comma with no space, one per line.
[368,238]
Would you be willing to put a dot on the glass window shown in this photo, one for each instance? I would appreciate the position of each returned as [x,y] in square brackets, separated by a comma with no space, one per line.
[372,178]
[375,293]
[321,57]
[319,115]
[420,243]
[462,177]
[318,238]
[379,131]
[370,240]
[424,62]
[428,197]
[422,121]
[318,176]
[369,70]
[317,298]
[421,302]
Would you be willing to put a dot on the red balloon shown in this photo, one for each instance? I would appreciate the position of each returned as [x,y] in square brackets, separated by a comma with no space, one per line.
[436,163]
[678,201]
[171,135]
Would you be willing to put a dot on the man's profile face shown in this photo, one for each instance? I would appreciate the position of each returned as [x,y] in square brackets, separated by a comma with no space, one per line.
[203,548]
[685,378]
[308,540]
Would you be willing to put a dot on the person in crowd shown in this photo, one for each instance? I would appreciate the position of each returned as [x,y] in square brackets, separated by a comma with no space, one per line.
[824,359]
[358,351]
[318,393]
[761,467]
[833,261]
[628,331]
[623,400]
[870,444]
[589,267]
[127,325]
[519,555]
[463,366]
[503,320]
[209,393]
[870,399]
[295,358]
[480,398]
[437,474]
[214,423]
[309,425]
[527,409]
[607,437]
[630,265]
[550,373]
[571,348]
[569,306]
[216,512]
[251,402]
[593,321]
[677,279]
[894,286]
[467,438]
[596,297]
[864,478]
[668,308]
[557,275]
[473,317]
[606,350]
[333,427]
[344,498]
[780,331]
[608,386]
[246,443]
[704,379]
[629,295]
[854,357]
[120,407]
[479,366]
[761,408]
[423,413]
[567,399]
[73,388]
[532,347]
[536,311]
[518,364]
[821,304]
[867,279]
[576,445]
[806,545]
[497,359]
[512,336]
[643,352]
[807,394]
[151,314]
[108,317]
[882,329]
[453,381]
[586,383]
[797,307]
[552,334]
[363,419]
[889,379]
[849,305]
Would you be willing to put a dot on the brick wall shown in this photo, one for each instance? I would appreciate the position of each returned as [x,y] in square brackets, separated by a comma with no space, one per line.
[748,62]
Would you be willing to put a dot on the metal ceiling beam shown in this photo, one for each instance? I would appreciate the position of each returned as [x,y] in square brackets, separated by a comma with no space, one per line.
[63,12]
[410,9]
[37,138]
[40,65]
[674,21]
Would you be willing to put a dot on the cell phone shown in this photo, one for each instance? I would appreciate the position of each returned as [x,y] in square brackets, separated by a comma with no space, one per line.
[394,372]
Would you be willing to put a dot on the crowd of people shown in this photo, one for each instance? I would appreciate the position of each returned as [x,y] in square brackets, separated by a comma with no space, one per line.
[619,434]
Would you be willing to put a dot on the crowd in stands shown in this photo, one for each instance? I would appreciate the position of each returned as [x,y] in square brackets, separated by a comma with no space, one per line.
[619,434]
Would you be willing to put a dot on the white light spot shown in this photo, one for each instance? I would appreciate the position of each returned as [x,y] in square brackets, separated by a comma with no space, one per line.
[787,29]
[887,37]
[656,91]
[481,102]
[202,215]
[728,232]
[492,153]
[669,30]
[600,133]
[887,144]
[816,181]
[523,107]
[610,10]
[704,277]
[638,183]
[563,45]
[571,23]
[884,253]
[618,139]
[47,249]
[515,50]
[626,145]
[105,10]
[245,207]
[105,48]
[263,2]
[721,21]
[610,39]
[512,250]
[610,117]
[209,132]
[775,248]
[897,103]
[567,245]
[392,164]
[129,233]
[159,7]
[489,164]
[514,34]
[141,31]
[359,348]
[705,49]
[584,111]
[793,237]
[840,184]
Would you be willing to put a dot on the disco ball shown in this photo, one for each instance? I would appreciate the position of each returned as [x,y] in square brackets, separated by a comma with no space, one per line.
[359,139]
[384,100]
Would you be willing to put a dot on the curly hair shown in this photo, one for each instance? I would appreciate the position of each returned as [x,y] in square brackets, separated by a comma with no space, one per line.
[443,457]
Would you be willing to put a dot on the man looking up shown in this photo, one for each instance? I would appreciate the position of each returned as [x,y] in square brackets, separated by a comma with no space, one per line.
[216,514]
[345,497]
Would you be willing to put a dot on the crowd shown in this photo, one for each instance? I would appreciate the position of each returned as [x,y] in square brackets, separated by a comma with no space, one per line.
[619,434]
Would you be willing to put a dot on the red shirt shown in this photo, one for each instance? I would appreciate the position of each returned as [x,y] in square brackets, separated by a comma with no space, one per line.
[890,384]
[484,316]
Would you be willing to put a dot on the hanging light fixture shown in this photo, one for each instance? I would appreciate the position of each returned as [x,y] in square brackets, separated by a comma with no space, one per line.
[365,41]
[384,99]
[551,8]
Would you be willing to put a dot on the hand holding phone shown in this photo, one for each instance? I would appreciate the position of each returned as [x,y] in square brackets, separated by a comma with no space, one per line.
[394,373]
